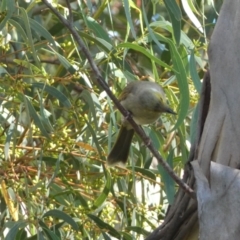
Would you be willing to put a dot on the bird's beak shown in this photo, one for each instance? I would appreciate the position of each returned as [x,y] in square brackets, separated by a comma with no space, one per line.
[169,110]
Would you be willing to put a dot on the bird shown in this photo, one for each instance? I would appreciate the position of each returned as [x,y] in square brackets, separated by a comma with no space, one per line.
[145,102]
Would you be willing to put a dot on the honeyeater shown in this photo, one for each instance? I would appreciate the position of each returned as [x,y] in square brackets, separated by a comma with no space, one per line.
[145,101]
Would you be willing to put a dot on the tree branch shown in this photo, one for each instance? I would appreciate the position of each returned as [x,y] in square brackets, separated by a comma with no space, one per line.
[125,113]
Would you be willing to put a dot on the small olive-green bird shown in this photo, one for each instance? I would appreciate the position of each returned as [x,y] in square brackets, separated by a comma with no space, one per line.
[145,101]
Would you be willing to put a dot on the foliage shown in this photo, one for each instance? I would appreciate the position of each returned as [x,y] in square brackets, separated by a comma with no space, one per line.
[57,124]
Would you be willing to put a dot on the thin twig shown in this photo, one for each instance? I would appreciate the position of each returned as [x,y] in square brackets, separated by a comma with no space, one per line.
[125,113]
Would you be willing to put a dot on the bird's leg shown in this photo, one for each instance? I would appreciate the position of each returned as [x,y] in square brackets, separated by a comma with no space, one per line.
[149,142]
[125,119]
[129,114]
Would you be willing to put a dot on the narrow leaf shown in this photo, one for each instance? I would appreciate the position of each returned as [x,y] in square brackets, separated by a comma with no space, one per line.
[193,72]
[54,92]
[102,197]
[62,215]
[29,35]
[129,18]
[35,117]
[15,229]
[98,30]
[173,7]
[104,226]
[8,140]
[138,230]
[51,235]
[41,31]
[105,236]
[191,15]
[104,45]
[19,28]
[181,75]
[175,15]
[65,63]
[10,8]
[193,125]
[145,52]
[81,200]
[145,172]
[127,236]
[169,184]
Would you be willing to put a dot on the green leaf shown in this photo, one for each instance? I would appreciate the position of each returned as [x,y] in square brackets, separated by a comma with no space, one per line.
[22,234]
[181,75]
[153,135]
[67,65]
[35,117]
[129,18]
[50,235]
[39,236]
[173,7]
[30,42]
[194,124]
[169,184]
[103,44]
[176,17]
[62,215]
[85,232]
[15,229]
[54,92]
[127,236]
[94,136]
[182,143]
[185,40]
[151,34]
[56,170]
[3,71]
[97,29]
[19,28]
[194,74]
[41,31]
[189,9]
[105,236]
[44,114]
[8,140]
[99,9]
[92,102]
[145,52]
[102,197]
[28,65]
[10,8]
[145,172]
[138,230]
[104,226]
[82,200]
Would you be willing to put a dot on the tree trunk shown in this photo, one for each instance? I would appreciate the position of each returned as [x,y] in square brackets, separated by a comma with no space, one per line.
[218,140]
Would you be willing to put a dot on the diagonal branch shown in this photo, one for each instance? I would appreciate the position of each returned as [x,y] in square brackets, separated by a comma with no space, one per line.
[125,113]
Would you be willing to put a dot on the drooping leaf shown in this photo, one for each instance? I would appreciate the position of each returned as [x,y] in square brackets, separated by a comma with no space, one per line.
[62,215]
[15,229]
[175,15]
[54,92]
[104,226]
[169,184]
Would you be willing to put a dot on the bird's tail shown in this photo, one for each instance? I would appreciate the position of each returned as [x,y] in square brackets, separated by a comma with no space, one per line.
[120,150]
